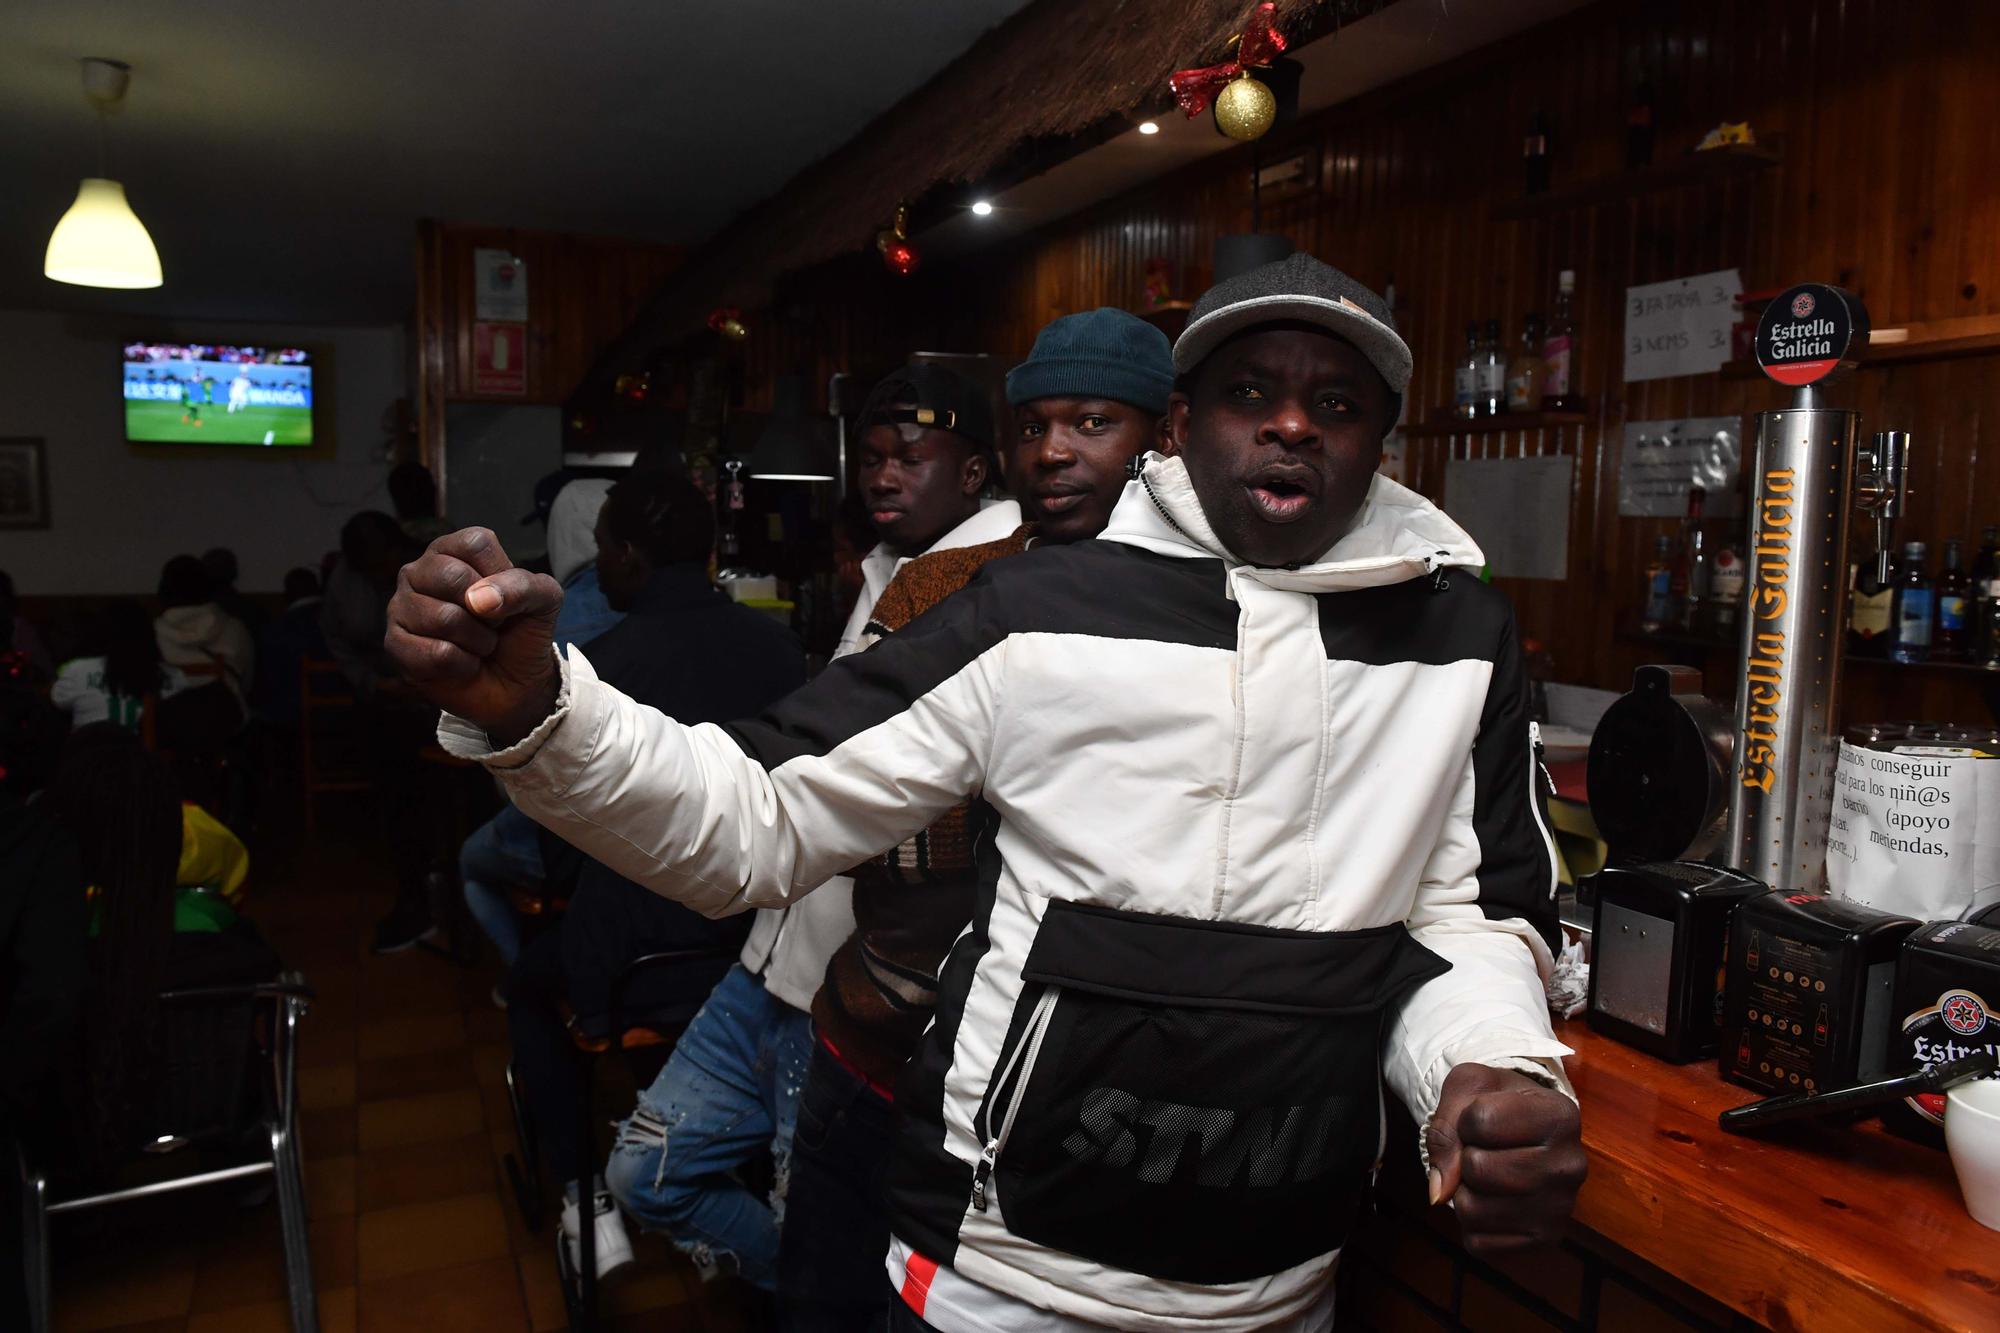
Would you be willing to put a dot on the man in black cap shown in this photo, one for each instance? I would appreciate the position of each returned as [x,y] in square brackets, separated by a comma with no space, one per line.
[1260,830]
[731,1088]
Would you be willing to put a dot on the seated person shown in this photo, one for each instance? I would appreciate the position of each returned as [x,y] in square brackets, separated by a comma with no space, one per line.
[195,633]
[504,853]
[220,562]
[291,638]
[685,647]
[121,670]
[147,934]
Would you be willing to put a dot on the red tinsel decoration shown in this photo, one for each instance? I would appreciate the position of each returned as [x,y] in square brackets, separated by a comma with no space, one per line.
[1260,44]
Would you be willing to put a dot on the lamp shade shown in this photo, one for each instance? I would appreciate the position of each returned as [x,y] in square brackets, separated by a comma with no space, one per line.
[792,447]
[100,242]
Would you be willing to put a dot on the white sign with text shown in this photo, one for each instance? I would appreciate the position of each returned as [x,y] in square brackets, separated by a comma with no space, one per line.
[1680,327]
[1916,833]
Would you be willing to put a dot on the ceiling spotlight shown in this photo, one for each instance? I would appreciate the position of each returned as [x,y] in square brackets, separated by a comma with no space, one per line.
[1149,127]
[981,208]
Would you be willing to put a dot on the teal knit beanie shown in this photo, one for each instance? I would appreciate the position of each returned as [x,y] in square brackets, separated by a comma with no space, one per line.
[1103,353]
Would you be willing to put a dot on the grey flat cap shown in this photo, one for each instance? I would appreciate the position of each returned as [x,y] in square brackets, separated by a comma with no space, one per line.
[1296,288]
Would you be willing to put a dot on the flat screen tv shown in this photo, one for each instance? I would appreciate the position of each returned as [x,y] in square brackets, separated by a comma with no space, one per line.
[215,393]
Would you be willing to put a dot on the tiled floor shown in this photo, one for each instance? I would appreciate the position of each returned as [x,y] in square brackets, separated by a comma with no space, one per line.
[405,1124]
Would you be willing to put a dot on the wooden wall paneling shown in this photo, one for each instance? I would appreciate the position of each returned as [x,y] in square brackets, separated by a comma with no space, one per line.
[1890,154]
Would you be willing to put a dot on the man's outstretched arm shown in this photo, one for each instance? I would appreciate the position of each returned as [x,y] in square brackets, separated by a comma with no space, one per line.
[720,818]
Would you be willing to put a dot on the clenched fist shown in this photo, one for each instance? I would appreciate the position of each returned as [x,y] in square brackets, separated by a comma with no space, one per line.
[472,633]
[1509,1154]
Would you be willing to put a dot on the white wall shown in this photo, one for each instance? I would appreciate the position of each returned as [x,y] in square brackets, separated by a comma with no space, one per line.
[119,512]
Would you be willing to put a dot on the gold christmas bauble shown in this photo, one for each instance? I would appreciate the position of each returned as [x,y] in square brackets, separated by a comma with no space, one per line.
[1245,109]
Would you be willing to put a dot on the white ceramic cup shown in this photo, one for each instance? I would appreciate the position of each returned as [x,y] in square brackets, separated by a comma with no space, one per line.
[1972,1134]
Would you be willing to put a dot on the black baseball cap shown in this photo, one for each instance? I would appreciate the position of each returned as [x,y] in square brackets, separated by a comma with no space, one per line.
[1297,288]
[936,397]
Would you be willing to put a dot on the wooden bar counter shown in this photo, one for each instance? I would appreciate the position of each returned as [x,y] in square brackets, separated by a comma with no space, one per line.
[1811,1227]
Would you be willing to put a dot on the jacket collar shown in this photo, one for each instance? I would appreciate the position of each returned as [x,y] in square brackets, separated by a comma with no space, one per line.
[1398,534]
[995,519]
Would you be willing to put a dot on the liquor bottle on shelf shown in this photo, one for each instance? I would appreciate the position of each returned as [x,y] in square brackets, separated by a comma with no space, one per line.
[1535,155]
[1869,604]
[1465,380]
[1912,622]
[1725,583]
[1691,575]
[1524,373]
[1657,614]
[1490,389]
[1954,593]
[1986,624]
[1986,565]
[1559,352]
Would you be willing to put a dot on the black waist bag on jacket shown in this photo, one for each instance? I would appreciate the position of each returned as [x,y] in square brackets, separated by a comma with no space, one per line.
[1197,1101]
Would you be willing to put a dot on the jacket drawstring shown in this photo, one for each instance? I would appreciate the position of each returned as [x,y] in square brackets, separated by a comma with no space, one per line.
[1440,572]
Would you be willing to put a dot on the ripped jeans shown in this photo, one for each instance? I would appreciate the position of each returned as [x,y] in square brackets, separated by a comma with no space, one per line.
[730,1090]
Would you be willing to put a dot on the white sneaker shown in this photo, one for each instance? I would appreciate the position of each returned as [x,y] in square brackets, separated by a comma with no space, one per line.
[614,1247]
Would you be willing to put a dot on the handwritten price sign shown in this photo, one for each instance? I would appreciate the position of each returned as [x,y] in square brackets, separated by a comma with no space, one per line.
[1680,327]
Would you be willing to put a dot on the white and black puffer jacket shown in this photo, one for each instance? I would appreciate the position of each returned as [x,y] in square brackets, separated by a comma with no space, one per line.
[1253,838]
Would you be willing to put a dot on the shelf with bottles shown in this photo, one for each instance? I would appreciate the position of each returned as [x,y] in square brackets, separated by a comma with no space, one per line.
[1692,168]
[1495,425]
[1531,387]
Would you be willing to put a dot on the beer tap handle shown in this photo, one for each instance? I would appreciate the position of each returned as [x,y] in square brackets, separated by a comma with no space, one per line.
[1892,458]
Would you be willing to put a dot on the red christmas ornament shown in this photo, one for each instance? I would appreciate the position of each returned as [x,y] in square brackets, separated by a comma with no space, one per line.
[901,257]
[1259,44]
[727,320]
[894,242]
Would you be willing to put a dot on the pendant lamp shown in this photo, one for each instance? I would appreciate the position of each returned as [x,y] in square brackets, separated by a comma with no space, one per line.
[100,242]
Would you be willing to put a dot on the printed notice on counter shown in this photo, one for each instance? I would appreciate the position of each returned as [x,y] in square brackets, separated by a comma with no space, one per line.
[1680,327]
[1663,460]
[1916,833]
[1517,509]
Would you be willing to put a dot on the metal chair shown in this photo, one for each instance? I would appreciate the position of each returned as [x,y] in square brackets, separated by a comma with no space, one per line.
[205,1114]
[580,1284]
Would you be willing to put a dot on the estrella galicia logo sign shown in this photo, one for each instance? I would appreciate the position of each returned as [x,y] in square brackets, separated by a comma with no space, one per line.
[1963,1012]
[1807,331]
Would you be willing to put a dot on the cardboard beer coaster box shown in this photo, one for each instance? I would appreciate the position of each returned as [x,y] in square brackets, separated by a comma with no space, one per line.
[1947,987]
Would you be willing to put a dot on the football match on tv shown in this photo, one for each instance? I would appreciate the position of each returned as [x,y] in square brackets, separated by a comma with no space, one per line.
[202,393]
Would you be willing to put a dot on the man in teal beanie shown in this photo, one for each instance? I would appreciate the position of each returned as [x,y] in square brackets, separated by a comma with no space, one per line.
[1091,397]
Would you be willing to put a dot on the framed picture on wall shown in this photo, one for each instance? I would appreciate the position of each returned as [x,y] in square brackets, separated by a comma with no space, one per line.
[24,484]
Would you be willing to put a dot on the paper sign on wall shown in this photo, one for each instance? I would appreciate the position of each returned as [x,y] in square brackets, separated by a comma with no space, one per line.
[1663,460]
[1517,509]
[499,285]
[500,358]
[1680,327]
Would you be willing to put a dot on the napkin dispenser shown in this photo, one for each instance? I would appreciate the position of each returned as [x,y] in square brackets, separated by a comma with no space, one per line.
[1659,932]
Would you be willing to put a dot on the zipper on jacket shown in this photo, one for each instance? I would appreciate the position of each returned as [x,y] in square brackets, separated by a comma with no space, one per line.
[1022,1056]
[1536,765]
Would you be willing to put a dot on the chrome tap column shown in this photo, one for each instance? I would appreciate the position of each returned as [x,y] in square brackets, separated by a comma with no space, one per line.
[1793,624]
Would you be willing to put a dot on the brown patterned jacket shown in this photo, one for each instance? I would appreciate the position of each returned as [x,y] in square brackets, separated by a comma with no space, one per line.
[911,902]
